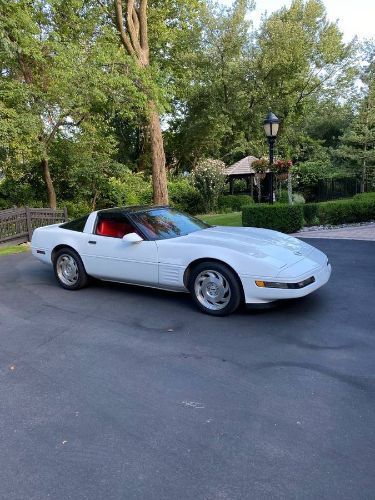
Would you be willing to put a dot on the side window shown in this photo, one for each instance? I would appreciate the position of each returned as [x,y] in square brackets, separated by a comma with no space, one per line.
[113,227]
[76,225]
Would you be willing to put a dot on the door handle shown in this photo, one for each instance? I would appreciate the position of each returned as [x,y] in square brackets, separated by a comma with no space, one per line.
[92,242]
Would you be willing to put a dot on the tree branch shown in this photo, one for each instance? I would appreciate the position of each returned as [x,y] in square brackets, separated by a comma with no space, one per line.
[24,67]
[131,28]
[143,25]
[304,93]
[78,123]
[54,130]
[120,28]
[106,10]
[136,20]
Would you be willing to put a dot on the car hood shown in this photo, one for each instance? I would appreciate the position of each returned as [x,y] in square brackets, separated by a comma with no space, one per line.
[279,249]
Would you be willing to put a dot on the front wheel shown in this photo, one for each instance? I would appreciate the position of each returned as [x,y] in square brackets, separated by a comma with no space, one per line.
[215,288]
[69,270]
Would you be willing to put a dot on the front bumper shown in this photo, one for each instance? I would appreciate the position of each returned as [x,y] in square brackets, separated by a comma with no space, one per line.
[258,295]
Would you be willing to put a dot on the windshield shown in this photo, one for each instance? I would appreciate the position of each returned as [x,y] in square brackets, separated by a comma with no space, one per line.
[165,223]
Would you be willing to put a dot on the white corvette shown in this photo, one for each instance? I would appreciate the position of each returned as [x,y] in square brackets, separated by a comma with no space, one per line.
[163,248]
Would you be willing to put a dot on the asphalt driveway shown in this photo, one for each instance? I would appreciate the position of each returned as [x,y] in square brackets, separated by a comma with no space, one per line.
[118,392]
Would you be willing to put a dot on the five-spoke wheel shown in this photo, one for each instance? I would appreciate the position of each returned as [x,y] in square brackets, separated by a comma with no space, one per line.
[69,269]
[215,288]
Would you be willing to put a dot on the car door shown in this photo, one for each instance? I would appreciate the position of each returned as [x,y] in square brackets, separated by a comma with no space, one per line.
[109,257]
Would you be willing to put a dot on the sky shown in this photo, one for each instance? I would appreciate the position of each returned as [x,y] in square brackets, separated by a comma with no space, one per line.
[355,17]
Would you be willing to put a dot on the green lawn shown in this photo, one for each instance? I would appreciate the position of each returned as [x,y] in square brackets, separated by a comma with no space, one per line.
[6,250]
[231,219]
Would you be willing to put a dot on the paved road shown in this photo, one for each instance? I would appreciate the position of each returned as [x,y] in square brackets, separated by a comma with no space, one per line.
[116,392]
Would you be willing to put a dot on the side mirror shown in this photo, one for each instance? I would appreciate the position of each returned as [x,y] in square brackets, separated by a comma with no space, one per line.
[132,238]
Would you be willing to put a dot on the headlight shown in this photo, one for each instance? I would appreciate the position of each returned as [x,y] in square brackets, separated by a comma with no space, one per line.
[278,284]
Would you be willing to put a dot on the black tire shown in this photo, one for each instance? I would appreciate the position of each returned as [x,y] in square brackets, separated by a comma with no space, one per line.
[215,274]
[79,277]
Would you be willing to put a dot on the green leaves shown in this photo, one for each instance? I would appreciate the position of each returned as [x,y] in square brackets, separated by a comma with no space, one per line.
[69,92]
[357,146]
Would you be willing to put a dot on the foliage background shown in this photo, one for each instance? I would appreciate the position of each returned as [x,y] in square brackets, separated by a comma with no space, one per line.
[69,97]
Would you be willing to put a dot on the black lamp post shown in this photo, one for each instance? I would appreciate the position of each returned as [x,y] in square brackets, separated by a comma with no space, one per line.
[271,127]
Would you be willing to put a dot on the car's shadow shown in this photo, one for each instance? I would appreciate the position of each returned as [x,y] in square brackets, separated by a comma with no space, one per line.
[307,304]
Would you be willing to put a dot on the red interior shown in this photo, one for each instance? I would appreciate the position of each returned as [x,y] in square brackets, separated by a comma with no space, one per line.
[113,228]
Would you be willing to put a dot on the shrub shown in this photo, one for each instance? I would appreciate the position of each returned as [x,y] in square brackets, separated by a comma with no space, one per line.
[184,196]
[346,211]
[359,209]
[307,174]
[239,186]
[282,197]
[298,198]
[136,189]
[364,196]
[234,202]
[76,208]
[208,178]
[284,218]
[131,189]
[20,193]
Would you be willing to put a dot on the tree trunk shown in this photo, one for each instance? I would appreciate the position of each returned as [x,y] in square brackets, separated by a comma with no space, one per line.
[290,193]
[363,174]
[132,27]
[47,178]
[94,199]
[363,177]
[159,175]
[365,147]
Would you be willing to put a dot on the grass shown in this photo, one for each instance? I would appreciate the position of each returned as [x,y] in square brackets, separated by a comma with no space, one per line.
[7,250]
[230,219]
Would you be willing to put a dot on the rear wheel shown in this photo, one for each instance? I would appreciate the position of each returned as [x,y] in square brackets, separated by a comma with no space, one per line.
[69,269]
[215,288]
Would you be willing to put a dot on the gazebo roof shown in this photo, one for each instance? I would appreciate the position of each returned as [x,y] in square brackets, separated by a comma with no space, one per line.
[242,167]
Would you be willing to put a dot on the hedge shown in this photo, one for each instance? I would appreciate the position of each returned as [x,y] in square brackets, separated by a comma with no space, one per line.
[340,211]
[310,213]
[234,202]
[284,218]
[365,196]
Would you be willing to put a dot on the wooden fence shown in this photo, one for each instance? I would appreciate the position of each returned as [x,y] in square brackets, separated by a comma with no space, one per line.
[17,224]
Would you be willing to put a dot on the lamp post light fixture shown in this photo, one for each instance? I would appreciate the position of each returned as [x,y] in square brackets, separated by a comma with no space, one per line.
[271,127]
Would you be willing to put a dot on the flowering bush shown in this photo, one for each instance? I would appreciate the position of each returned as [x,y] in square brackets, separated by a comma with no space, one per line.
[208,178]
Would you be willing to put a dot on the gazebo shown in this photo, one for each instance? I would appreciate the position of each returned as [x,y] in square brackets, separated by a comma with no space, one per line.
[242,170]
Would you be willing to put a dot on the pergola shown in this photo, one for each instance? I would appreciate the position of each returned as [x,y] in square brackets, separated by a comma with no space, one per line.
[242,170]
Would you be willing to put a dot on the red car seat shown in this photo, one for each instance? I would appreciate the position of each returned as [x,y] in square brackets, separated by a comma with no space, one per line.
[113,228]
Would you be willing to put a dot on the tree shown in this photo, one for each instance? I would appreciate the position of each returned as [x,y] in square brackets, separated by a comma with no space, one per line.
[208,122]
[296,59]
[358,142]
[299,57]
[327,119]
[132,25]
[86,87]
[58,70]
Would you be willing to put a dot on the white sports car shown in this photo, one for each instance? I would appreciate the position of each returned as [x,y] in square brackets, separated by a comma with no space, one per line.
[163,248]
